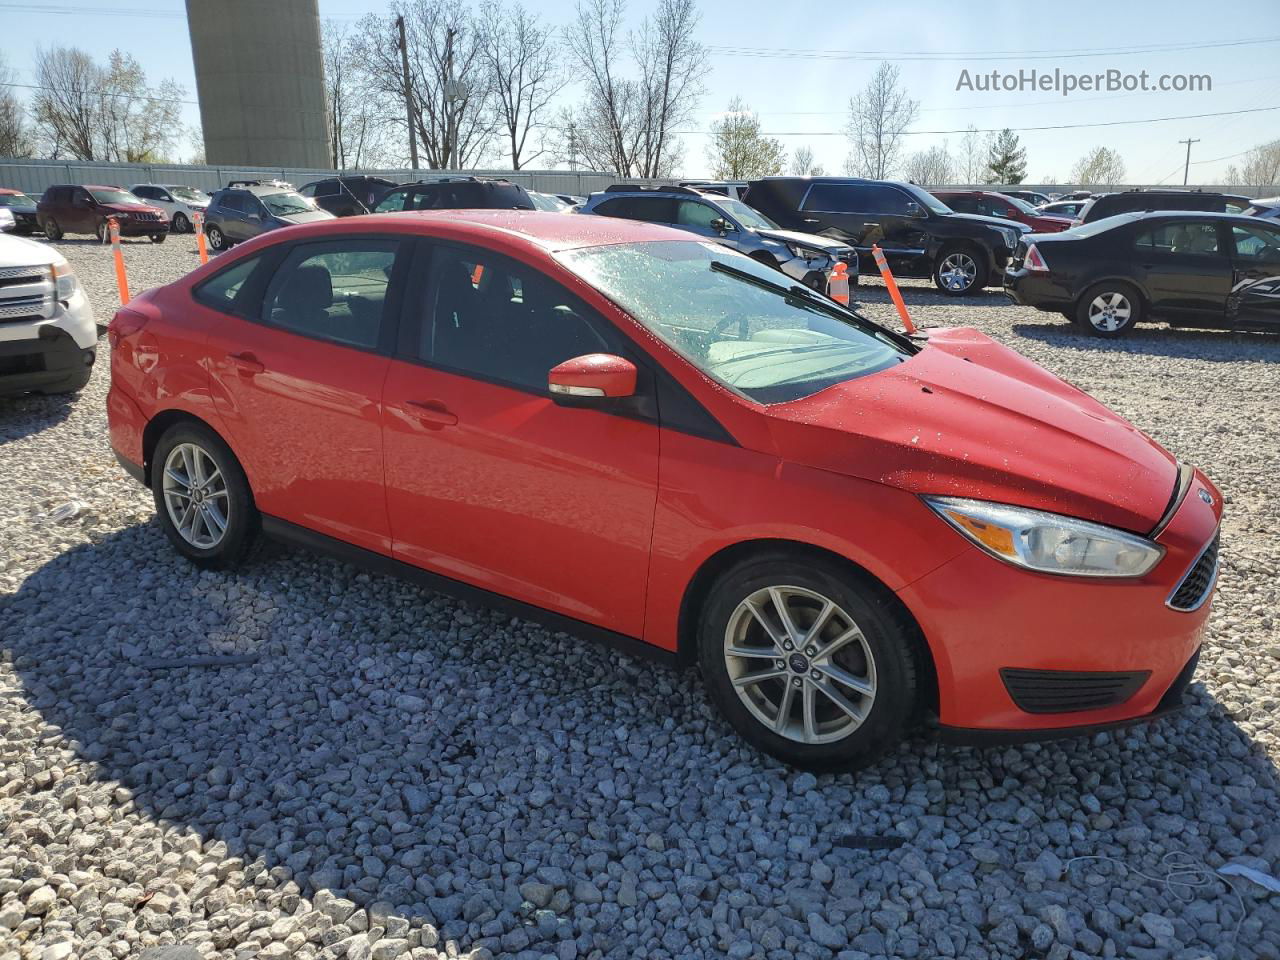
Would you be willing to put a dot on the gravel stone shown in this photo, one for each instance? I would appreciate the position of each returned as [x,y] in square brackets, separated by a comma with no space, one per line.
[388,772]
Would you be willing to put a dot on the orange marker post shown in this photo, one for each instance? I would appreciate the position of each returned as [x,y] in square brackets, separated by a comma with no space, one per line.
[894,294]
[122,278]
[198,224]
[838,283]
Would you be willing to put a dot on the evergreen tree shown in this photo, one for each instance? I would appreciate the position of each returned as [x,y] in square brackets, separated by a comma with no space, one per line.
[1006,159]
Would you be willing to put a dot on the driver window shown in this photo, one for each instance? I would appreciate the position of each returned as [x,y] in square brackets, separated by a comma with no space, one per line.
[1257,244]
[496,320]
[691,213]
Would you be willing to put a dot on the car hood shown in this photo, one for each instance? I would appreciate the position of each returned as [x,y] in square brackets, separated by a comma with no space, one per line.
[133,208]
[825,244]
[990,221]
[968,417]
[19,252]
[306,217]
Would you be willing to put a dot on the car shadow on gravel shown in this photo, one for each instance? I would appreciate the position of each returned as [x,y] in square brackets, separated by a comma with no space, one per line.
[25,414]
[389,744]
[1215,346]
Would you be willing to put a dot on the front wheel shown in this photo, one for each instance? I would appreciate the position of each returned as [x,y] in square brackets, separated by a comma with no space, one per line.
[159,237]
[808,663]
[958,271]
[202,497]
[181,224]
[1109,309]
[217,239]
[102,231]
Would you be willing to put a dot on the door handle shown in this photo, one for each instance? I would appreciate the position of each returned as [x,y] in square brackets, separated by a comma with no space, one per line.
[875,225]
[432,411]
[811,220]
[246,363]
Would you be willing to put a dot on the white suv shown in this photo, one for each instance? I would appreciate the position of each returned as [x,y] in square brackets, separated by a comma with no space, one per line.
[179,202]
[48,337]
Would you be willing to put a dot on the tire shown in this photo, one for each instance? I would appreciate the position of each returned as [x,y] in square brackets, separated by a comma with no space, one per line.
[199,539]
[52,231]
[1109,309]
[159,237]
[959,270]
[181,224]
[884,655]
[73,384]
[102,231]
[217,239]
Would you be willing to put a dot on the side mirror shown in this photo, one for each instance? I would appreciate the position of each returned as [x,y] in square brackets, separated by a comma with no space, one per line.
[914,210]
[592,376]
[721,226]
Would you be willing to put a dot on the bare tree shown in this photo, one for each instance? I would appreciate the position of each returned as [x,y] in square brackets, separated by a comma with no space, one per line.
[878,118]
[932,167]
[522,59]
[625,122]
[66,105]
[448,84]
[803,163]
[15,135]
[1101,165]
[1259,168]
[360,116]
[738,151]
[973,157]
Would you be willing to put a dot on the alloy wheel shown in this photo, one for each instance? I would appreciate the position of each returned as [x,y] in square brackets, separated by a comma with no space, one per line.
[195,496]
[800,664]
[1110,312]
[958,271]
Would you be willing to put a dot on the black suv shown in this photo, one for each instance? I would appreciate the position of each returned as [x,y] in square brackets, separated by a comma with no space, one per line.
[347,196]
[457,193]
[1136,201]
[920,235]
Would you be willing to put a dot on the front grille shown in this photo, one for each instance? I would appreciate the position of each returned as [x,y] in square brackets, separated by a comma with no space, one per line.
[143,215]
[23,274]
[1196,586]
[16,309]
[1066,691]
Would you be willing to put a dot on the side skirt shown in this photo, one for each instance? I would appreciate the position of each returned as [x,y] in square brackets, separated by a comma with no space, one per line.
[295,535]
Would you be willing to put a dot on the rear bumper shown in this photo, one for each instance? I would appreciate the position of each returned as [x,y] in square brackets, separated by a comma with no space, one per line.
[1037,289]
[46,360]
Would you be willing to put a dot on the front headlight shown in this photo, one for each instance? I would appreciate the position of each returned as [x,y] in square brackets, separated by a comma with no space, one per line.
[1010,237]
[805,253]
[64,279]
[1048,542]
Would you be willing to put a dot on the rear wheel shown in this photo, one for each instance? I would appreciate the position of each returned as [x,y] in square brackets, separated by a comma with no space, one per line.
[52,230]
[807,663]
[217,239]
[1109,309]
[202,497]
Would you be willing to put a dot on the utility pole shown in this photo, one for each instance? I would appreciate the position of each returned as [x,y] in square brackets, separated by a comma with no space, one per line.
[573,145]
[450,99]
[408,94]
[1187,167]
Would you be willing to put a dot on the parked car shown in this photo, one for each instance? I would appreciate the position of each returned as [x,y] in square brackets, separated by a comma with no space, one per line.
[180,203]
[347,196]
[23,209]
[991,204]
[1188,269]
[1061,208]
[457,193]
[246,208]
[626,431]
[1073,195]
[71,208]
[548,203]
[571,199]
[1030,197]
[1268,207]
[919,234]
[1104,205]
[48,337]
[802,256]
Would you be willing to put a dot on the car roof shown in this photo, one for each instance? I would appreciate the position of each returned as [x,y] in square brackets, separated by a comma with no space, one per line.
[101,186]
[6,190]
[1136,215]
[538,228]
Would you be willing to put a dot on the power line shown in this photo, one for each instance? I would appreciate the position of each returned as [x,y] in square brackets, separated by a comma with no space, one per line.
[1055,126]
[784,53]
[99,93]
[67,10]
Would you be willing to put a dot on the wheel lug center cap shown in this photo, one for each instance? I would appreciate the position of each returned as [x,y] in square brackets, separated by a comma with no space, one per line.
[798,663]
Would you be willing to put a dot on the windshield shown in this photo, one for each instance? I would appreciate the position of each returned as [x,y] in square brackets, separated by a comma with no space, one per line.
[548,203]
[115,196]
[736,320]
[16,200]
[188,193]
[285,204]
[925,198]
[749,217]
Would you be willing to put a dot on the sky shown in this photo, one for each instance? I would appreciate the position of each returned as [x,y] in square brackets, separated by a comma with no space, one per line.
[797,70]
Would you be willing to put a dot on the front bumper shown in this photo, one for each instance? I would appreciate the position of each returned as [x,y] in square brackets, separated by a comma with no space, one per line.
[982,616]
[143,229]
[46,360]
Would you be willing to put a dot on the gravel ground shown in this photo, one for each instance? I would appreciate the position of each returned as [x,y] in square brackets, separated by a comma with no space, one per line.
[389,773]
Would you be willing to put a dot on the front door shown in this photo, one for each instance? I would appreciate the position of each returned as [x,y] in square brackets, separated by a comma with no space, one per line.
[1255,294]
[82,215]
[491,482]
[299,386]
[1186,268]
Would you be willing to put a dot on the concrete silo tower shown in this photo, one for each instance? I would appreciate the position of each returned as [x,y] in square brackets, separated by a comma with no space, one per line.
[260,79]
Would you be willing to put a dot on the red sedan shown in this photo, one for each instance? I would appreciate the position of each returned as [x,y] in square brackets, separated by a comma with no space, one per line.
[988,203]
[662,443]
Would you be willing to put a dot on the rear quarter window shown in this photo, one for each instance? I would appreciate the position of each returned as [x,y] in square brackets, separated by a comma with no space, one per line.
[223,291]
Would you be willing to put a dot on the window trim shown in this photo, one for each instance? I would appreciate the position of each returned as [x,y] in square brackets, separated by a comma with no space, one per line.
[1143,227]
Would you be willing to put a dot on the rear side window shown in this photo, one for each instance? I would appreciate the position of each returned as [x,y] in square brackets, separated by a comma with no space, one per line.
[1198,239]
[648,209]
[961,204]
[222,290]
[392,202]
[839,198]
[335,291]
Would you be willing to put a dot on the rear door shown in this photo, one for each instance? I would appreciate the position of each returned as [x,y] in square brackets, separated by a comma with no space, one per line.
[297,375]
[1184,266]
[1255,295]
